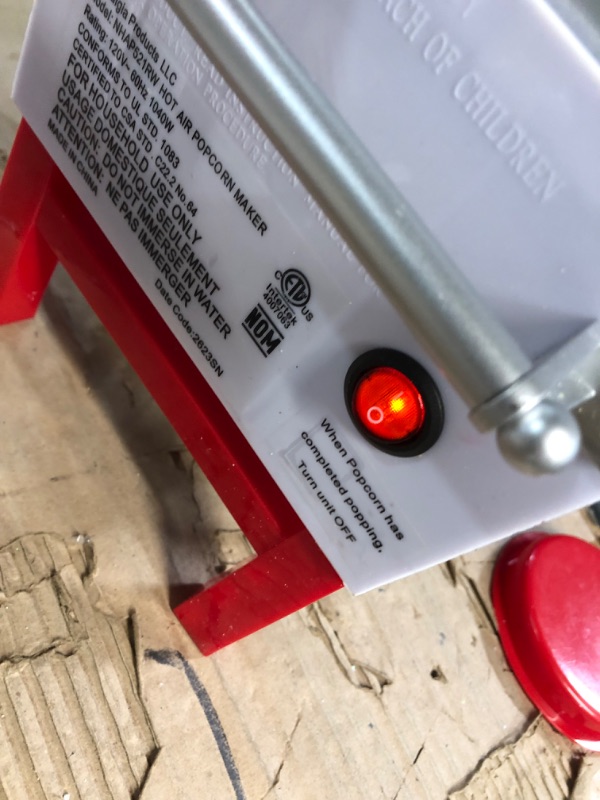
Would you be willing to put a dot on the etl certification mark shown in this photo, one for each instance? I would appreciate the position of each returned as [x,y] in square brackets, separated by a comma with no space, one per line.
[295,287]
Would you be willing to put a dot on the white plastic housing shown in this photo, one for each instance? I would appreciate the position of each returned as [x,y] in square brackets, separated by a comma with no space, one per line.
[487,116]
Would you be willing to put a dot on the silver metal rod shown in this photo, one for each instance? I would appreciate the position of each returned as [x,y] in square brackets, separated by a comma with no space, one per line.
[434,298]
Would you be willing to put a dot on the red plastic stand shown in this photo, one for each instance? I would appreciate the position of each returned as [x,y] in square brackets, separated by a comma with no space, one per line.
[42,222]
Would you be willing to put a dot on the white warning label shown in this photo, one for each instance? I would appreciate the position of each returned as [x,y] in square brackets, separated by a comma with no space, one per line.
[346,493]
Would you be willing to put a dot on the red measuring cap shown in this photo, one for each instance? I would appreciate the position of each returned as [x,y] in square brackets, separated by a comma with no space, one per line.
[546,594]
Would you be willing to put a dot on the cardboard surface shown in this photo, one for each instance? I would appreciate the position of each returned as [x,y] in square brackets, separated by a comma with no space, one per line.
[401,693]
[72,721]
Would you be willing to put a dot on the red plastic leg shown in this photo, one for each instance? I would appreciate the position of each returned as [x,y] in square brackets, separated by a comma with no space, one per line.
[26,261]
[46,222]
[271,586]
[289,571]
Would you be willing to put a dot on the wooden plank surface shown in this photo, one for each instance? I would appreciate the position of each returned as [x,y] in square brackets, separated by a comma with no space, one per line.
[402,693]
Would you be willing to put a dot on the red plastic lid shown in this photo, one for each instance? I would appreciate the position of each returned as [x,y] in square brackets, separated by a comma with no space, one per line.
[546,593]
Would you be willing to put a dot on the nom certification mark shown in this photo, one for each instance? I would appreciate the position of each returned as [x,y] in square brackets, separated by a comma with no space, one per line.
[262,330]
